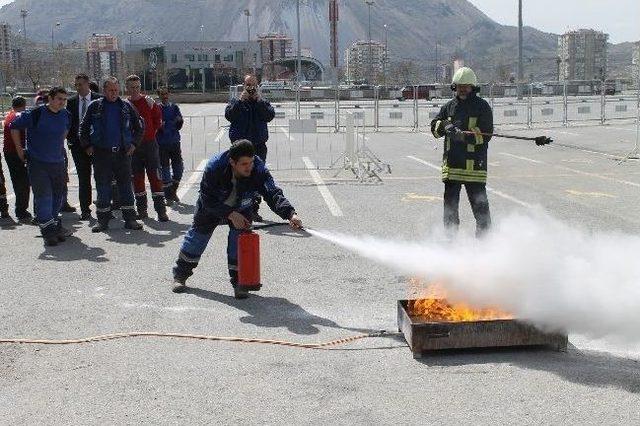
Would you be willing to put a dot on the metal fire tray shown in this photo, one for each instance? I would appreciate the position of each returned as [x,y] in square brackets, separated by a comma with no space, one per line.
[424,337]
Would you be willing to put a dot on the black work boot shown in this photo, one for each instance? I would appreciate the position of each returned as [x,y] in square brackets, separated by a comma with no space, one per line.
[161,208]
[167,197]
[51,241]
[174,191]
[179,285]
[25,218]
[133,225]
[67,208]
[141,206]
[238,291]
[103,222]
[4,208]
[63,234]
[100,227]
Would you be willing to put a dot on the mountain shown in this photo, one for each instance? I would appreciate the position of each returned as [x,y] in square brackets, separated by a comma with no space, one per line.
[414,27]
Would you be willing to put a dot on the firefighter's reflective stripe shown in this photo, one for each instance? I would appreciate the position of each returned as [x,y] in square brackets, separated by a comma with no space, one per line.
[435,132]
[464,175]
[473,126]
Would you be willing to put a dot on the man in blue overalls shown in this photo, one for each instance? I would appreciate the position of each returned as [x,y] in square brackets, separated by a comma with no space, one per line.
[109,133]
[47,127]
[169,143]
[228,191]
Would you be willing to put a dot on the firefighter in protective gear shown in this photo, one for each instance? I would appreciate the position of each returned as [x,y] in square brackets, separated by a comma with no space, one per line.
[464,161]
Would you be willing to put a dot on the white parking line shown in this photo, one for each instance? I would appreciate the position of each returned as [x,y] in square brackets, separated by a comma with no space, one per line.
[560,132]
[596,175]
[286,133]
[509,197]
[220,134]
[334,208]
[531,160]
[621,128]
[426,163]
[493,191]
[193,179]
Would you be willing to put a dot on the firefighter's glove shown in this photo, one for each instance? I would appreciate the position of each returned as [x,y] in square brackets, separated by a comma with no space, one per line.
[455,134]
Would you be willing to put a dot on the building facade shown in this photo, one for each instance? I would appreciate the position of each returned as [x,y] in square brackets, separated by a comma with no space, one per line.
[193,65]
[6,45]
[635,63]
[273,49]
[365,61]
[104,57]
[583,55]
[221,62]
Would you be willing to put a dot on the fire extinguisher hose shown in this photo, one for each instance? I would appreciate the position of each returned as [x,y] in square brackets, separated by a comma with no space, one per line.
[117,336]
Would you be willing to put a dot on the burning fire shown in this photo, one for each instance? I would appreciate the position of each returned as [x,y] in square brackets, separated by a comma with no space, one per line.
[431,305]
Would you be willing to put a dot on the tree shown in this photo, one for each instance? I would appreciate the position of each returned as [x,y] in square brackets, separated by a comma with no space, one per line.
[406,72]
[37,68]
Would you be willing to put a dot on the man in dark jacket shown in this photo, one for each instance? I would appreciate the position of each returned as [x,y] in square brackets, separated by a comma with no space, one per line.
[109,133]
[17,167]
[78,106]
[249,116]
[465,154]
[228,190]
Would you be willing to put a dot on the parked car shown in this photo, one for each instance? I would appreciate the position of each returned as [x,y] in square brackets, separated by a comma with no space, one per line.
[425,91]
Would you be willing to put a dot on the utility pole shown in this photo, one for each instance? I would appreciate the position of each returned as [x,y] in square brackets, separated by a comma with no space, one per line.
[23,15]
[370,79]
[202,56]
[53,26]
[386,54]
[299,62]
[333,23]
[520,60]
[436,65]
[247,13]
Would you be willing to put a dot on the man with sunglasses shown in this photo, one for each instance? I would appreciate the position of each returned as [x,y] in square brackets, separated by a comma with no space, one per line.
[249,116]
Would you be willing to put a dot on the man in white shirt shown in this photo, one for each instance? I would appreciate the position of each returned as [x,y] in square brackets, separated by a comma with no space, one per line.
[77,106]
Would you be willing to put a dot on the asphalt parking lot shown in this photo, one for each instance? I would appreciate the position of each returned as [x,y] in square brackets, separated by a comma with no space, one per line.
[313,291]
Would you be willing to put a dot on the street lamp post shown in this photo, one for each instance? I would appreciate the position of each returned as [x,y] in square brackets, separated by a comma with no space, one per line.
[520,47]
[23,15]
[247,13]
[370,3]
[202,56]
[386,53]
[299,62]
[53,26]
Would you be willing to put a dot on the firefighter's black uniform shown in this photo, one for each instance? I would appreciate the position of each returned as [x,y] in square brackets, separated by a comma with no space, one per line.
[464,161]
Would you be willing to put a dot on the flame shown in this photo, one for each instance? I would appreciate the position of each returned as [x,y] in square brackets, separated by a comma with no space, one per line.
[432,305]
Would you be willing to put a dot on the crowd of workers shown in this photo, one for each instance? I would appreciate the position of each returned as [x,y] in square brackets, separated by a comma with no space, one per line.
[120,141]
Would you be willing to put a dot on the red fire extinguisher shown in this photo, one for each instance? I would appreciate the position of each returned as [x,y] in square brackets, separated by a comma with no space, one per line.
[249,258]
[249,261]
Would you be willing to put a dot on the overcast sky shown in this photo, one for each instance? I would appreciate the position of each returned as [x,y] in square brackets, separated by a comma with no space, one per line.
[618,18]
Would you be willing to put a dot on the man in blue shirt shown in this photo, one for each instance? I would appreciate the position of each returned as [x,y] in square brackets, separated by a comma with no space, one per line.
[47,127]
[228,191]
[169,142]
[109,133]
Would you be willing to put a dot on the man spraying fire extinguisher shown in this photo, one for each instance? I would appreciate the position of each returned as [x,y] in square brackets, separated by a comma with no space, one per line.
[230,185]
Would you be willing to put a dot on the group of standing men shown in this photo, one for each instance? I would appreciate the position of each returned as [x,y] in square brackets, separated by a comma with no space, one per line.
[120,140]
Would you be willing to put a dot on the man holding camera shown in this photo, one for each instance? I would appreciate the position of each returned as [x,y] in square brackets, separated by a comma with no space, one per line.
[249,116]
